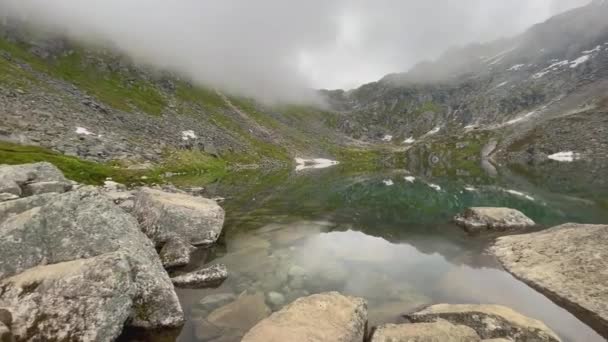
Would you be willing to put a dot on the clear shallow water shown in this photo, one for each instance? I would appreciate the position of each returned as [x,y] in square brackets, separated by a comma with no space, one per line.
[381,236]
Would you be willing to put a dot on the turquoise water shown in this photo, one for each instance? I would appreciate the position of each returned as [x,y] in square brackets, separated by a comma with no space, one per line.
[384,236]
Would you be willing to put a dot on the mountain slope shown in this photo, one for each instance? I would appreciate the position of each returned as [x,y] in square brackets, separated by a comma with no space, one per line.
[554,67]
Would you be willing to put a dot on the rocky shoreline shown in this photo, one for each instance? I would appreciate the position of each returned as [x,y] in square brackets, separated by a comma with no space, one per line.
[75,265]
[84,263]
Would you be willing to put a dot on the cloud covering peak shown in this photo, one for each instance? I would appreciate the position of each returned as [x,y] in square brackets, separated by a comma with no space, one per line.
[275,49]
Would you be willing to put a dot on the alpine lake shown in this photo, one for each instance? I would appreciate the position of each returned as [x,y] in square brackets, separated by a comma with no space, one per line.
[385,236]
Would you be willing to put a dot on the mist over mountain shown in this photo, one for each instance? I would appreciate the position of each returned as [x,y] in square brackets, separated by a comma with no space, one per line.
[274,49]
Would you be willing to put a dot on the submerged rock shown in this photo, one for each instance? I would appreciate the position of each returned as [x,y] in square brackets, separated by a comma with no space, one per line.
[568,263]
[235,318]
[322,317]
[176,252]
[489,321]
[82,224]
[212,276]
[440,330]
[163,215]
[478,219]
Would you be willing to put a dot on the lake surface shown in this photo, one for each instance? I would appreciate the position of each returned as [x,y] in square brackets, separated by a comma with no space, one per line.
[385,236]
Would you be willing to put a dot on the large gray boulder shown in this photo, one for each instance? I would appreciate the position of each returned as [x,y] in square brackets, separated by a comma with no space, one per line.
[478,219]
[163,215]
[488,321]
[322,317]
[32,179]
[439,331]
[568,263]
[80,300]
[82,224]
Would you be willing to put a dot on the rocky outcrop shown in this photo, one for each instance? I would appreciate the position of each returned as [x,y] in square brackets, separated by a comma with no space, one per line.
[211,276]
[164,215]
[478,219]
[79,227]
[31,179]
[440,330]
[488,321]
[321,317]
[568,263]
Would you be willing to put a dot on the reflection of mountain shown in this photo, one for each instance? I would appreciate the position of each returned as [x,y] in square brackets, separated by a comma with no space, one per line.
[415,210]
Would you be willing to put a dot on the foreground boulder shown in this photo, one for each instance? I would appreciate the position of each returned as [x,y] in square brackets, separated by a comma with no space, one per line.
[440,330]
[31,179]
[163,215]
[488,321]
[80,300]
[478,219]
[211,276]
[321,317]
[82,224]
[568,263]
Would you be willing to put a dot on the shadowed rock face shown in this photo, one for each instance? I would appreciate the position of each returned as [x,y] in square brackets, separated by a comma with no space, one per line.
[489,321]
[568,263]
[477,219]
[322,317]
[31,179]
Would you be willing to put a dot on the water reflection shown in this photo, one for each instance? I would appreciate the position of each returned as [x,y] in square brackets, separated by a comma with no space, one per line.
[354,233]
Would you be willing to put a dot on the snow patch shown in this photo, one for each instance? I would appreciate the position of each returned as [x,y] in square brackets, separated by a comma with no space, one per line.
[315,163]
[579,61]
[84,131]
[521,194]
[566,156]
[187,135]
[434,186]
[550,68]
[516,67]
[388,182]
[501,84]
[387,138]
[434,130]
[521,118]
[595,49]
[410,179]
[409,140]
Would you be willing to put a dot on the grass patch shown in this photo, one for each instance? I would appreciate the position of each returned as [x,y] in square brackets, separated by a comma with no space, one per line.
[76,169]
[119,91]
[193,163]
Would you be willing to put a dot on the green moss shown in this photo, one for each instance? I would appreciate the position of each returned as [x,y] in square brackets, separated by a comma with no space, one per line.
[82,171]
[206,98]
[193,163]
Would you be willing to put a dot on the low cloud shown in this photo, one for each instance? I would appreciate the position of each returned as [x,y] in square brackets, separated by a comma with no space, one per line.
[277,49]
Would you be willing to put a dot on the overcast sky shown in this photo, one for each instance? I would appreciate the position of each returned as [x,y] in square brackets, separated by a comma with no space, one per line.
[273,48]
